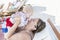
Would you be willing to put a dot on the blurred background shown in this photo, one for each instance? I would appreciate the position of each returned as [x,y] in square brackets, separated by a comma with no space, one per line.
[45,9]
[52,7]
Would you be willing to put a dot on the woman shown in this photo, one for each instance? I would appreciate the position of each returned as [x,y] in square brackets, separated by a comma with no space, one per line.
[34,25]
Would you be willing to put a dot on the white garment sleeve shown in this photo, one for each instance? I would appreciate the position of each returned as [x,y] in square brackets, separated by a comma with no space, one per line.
[5,7]
[23,19]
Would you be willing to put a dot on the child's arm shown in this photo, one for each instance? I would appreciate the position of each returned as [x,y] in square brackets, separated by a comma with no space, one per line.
[13,28]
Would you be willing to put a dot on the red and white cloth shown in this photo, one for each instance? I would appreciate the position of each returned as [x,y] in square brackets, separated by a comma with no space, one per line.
[9,21]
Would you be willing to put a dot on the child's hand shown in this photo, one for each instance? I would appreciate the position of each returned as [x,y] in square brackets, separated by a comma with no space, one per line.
[17,19]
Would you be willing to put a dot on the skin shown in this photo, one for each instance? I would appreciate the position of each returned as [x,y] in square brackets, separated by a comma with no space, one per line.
[22,35]
[13,28]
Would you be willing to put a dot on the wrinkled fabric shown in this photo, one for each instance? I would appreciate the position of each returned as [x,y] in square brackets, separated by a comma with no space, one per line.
[22,16]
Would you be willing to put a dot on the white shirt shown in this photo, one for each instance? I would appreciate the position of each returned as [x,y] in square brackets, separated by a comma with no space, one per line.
[24,21]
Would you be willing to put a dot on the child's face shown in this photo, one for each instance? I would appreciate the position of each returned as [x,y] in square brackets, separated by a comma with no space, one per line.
[28,10]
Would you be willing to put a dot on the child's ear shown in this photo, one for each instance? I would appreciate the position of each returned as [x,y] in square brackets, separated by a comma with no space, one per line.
[28,9]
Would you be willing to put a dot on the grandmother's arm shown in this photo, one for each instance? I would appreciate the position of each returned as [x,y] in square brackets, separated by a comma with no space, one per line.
[13,28]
